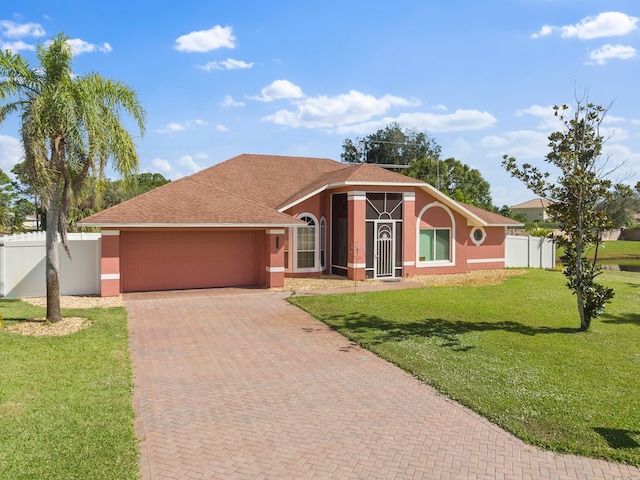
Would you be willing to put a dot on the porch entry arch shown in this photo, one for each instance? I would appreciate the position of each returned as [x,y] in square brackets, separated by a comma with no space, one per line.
[384,234]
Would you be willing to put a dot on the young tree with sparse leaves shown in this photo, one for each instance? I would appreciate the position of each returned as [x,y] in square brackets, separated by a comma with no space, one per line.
[579,194]
[70,127]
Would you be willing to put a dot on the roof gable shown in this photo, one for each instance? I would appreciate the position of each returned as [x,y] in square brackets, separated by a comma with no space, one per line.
[361,174]
[255,189]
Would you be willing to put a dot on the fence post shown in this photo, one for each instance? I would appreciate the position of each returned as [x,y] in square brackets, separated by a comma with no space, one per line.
[2,267]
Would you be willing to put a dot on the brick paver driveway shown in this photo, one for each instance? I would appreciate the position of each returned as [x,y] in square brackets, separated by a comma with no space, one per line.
[240,384]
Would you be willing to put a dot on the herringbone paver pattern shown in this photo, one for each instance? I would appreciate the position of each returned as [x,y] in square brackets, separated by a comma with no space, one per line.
[242,385]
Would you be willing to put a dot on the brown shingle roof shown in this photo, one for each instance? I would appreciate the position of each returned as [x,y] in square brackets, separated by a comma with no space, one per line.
[249,190]
[363,174]
[189,202]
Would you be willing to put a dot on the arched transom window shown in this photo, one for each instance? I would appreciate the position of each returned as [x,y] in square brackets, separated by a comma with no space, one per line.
[306,243]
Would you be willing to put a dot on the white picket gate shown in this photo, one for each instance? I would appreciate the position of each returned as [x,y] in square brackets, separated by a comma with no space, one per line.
[529,252]
[22,265]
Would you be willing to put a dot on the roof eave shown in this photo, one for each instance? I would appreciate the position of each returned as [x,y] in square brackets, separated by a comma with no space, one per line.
[190,225]
[472,218]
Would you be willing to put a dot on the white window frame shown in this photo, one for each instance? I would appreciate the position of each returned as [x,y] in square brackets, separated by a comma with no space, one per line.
[316,255]
[452,237]
[473,238]
[323,243]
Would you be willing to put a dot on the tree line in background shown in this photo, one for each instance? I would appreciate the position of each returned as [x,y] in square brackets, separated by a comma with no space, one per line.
[416,154]
[21,206]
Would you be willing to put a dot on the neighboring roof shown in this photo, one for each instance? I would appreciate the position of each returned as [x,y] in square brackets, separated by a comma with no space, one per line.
[535,203]
[254,190]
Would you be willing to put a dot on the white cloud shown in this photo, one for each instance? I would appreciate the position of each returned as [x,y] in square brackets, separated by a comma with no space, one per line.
[221,128]
[180,127]
[521,144]
[10,152]
[548,121]
[175,127]
[230,102]
[493,141]
[206,40]
[162,165]
[18,30]
[614,134]
[279,89]
[79,46]
[342,110]
[228,64]
[459,121]
[544,31]
[187,161]
[608,52]
[16,46]
[606,24]
[185,165]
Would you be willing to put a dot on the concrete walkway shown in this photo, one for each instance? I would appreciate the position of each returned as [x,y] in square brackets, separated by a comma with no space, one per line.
[238,384]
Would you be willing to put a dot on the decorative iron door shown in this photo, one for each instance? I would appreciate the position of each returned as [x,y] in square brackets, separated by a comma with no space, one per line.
[385,249]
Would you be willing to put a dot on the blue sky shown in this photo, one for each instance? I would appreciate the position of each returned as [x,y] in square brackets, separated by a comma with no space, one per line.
[221,78]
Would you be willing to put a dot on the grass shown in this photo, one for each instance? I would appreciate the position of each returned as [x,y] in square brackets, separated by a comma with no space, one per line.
[65,402]
[614,250]
[619,250]
[514,354]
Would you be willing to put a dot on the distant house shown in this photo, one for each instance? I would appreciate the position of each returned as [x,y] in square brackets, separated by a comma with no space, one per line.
[535,210]
[254,219]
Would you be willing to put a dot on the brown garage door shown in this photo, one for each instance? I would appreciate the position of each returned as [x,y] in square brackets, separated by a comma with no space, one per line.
[182,260]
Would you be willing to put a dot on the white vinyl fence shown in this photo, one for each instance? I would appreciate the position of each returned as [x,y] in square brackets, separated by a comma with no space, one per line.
[22,265]
[22,262]
[529,252]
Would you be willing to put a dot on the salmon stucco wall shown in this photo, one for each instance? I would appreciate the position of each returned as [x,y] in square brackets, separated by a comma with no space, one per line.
[110,263]
[489,252]
[434,214]
[274,268]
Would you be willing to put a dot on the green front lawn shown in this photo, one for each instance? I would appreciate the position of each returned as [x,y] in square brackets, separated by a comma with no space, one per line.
[65,402]
[613,250]
[514,354]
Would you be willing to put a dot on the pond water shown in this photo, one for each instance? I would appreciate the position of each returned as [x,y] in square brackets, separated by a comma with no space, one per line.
[621,265]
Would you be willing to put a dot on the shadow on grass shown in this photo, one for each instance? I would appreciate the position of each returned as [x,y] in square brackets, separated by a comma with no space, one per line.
[626,318]
[374,330]
[619,438]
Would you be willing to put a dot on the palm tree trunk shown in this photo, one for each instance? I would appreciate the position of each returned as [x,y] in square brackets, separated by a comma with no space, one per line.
[52,264]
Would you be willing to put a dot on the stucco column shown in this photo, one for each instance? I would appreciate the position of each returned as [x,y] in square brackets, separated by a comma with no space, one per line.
[110,263]
[357,235]
[275,258]
[409,222]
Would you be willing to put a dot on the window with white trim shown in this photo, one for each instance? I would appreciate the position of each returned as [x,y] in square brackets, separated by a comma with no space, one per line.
[478,235]
[435,245]
[306,244]
[323,242]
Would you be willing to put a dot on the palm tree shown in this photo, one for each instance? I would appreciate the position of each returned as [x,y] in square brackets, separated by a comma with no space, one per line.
[70,128]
